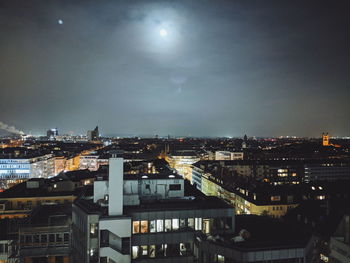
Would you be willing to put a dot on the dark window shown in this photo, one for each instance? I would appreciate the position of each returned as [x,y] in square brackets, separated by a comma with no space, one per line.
[59,238]
[36,239]
[103,260]
[66,237]
[52,237]
[40,260]
[104,238]
[28,239]
[126,245]
[175,187]
[59,259]
[43,238]
[148,186]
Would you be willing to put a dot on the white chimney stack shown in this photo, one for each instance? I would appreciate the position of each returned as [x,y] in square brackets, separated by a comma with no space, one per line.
[115,191]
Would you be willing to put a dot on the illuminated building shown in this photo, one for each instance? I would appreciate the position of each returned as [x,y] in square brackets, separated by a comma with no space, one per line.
[17,169]
[248,195]
[60,164]
[226,155]
[144,218]
[92,161]
[181,161]
[325,139]
[72,163]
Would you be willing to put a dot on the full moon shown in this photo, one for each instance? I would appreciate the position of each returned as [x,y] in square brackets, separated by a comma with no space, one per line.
[163,32]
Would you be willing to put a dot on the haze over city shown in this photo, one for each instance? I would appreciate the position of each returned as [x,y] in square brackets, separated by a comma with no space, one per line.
[199,68]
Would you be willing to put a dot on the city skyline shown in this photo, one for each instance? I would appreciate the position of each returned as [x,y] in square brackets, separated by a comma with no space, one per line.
[198,68]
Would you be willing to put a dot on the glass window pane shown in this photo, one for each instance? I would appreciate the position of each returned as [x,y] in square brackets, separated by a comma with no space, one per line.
[167,225]
[152,251]
[144,226]
[43,238]
[152,226]
[135,252]
[136,227]
[51,237]
[93,230]
[175,224]
[182,223]
[144,250]
[160,227]
[198,223]
[191,223]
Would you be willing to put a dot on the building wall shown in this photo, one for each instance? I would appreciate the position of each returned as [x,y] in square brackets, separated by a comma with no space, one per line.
[209,252]
[157,234]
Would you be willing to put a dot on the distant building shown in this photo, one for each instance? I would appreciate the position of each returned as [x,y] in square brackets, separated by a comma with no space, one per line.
[181,161]
[226,155]
[15,169]
[52,133]
[93,135]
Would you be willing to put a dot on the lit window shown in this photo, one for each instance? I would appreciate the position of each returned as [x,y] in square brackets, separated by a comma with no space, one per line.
[152,251]
[144,250]
[160,227]
[144,226]
[135,227]
[175,224]
[198,223]
[275,198]
[191,223]
[167,225]
[135,252]
[152,226]
[221,259]
[93,230]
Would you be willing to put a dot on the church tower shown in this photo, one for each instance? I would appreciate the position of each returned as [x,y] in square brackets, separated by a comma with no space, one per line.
[325,139]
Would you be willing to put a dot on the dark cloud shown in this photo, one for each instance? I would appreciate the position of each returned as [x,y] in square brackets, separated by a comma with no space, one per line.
[226,68]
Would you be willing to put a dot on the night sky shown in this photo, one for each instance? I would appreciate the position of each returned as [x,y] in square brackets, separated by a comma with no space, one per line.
[263,68]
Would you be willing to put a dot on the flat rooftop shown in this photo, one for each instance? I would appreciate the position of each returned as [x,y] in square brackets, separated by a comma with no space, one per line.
[265,233]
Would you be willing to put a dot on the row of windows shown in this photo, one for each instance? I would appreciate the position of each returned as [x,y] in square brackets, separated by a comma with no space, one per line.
[175,224]
[30,240]
[166,225]
[27,166]
[29,204]
[162,250]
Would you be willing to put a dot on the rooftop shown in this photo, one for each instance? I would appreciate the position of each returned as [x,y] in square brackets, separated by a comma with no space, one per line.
[262,233]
